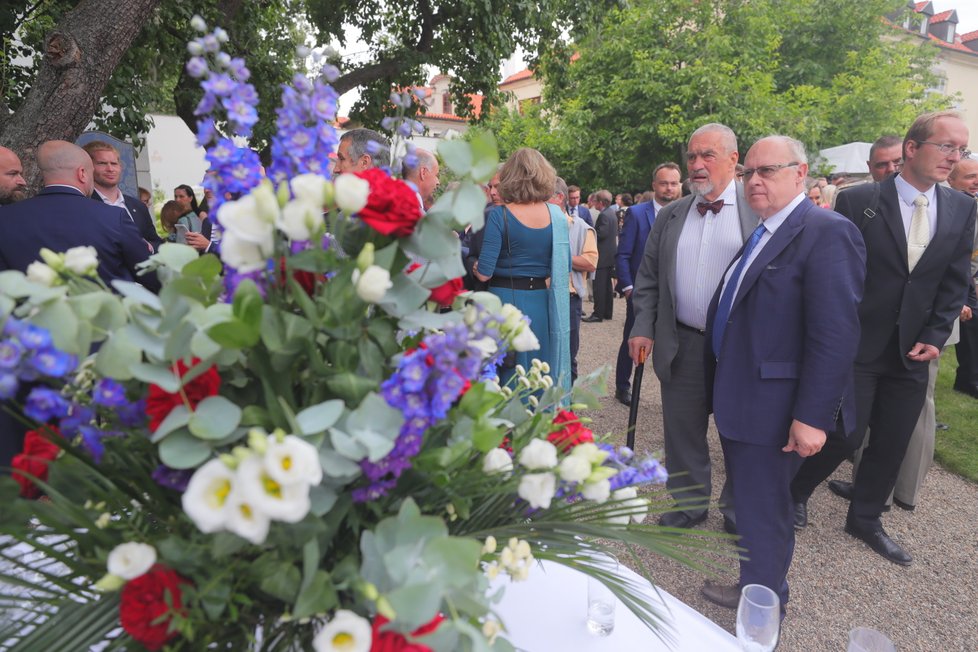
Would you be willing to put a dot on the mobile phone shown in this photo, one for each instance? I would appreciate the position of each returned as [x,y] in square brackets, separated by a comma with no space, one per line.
[181,233]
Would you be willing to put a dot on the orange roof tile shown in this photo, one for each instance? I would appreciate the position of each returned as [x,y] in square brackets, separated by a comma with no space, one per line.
[969,36]
[941,17]
[526,73]
[920,5]
[950,46]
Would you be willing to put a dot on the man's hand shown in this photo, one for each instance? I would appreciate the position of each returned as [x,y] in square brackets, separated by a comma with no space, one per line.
[627,293]
[197,241]
[966,313]
[804,439]
[636,344]
[923,352]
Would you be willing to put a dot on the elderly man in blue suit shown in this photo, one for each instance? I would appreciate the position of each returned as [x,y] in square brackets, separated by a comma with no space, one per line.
[666,188]
[782,335]
[62,216]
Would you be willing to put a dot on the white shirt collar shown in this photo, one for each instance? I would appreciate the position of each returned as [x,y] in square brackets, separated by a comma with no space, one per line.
[772,223]
[657,206]
[729,194]
[908,193]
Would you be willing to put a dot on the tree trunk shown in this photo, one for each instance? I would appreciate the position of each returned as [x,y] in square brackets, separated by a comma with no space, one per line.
[80,55]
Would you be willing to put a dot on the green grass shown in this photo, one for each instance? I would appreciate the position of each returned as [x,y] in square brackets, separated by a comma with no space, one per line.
[956,448]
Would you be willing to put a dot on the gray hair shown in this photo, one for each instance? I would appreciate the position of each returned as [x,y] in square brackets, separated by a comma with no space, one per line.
[560,187]
[729,137]
[360,140]
[603,196]
[425,160]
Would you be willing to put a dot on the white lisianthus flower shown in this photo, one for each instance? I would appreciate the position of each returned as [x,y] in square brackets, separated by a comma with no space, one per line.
[639,506]
[373,283]
[599,491]
[41,274]
[130,560]
[310,188]
[245,219]
[574,468]
[206,500]
[526,340]
[486,345]
[281,502]
[346,632]
[266,203]
[538,489]
[539,454]
[246,519]
[293,461]
[243,255]
[512,317]
[82,260]
[590,452]
[497,461]
[299,219]
[351,193]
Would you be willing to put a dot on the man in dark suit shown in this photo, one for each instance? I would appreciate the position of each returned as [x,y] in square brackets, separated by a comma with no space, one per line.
[919,237]
[62,216]
[107,173]
[606,228]
[575,207]
[964,177]
[631,245]
[690,245]
[781,337]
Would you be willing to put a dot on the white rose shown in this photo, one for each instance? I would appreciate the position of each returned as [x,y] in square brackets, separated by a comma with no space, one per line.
[351,193]
[346,632]
[538,489]
[243,255]
[597,491]
[244,219]
[590,452]
[497,461]
[486,345]
[130,560]
[574,468]
[539,454]
[526,340]
[372,284]
[299,219]
[637,507]
[82,260]
[41,274]
[310,188]
[266,202]
[512,317]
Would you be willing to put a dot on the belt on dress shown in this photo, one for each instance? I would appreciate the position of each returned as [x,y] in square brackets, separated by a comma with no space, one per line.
[684,327]
[519,282]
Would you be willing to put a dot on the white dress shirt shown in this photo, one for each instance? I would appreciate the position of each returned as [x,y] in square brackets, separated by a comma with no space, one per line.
[907,195]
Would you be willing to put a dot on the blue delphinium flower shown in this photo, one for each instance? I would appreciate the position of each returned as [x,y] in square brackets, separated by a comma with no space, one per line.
[34,337]
[305,136]
[11,352]
[52,362]
[132,415]
[8,385]
[109,393]
[176,479]
[78,416]
[44,404]
[91,441]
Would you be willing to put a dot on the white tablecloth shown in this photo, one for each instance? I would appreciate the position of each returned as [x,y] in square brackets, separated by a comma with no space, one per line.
[547,613]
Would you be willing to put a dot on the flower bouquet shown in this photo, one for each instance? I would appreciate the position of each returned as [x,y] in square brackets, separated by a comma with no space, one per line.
[293,446]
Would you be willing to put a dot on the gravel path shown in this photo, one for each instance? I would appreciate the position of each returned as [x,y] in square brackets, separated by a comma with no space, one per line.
[837,582]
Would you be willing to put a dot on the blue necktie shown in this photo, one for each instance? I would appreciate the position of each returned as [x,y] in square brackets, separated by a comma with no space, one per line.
[727,297]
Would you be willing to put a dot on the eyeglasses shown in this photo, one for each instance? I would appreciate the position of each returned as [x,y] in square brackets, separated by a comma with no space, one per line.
[945,148]
[767,171]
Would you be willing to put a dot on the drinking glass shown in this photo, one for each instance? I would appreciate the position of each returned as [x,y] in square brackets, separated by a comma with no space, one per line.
[866,639]
[600,599]
[758,618]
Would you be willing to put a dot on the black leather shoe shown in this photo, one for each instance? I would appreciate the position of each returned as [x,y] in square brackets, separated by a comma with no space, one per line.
[624,396]
[725,595]
[801,515]
[681,519]
[970,390]
[841,488]
[881,543]
[592,319]
[729,526]
[902,505]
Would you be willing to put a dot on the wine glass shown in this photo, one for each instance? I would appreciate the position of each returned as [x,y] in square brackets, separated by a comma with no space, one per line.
[758,618]
[865,639]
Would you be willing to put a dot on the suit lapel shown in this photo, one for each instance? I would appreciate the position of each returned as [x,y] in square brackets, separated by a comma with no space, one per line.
[890,211]
[650,215]
[748,218]
[792,225]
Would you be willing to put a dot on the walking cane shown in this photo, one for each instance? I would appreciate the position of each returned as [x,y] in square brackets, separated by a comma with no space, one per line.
[636,391]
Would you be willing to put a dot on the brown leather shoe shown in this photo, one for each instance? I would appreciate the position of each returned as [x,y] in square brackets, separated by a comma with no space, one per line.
[725,595]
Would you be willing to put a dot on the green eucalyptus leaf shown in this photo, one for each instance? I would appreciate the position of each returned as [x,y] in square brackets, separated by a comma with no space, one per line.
[322,498]
[248,304]
[61,321]
[350,387]
[214,418]
[457,155]
[202,346]
[317,418]
[157,375]
[485,155]
[317,597]
[178,417]
[279,580]
[138,294]
[176,256]
[336,466]
[150,342]
[181,450]
[204,267]
[234,334]
[117,356]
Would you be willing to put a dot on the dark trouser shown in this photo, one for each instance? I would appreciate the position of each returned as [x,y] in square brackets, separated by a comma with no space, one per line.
[623,368]
[603,294]
[967,352]
[889,398]
[761,484]
[575,333]
[685,418]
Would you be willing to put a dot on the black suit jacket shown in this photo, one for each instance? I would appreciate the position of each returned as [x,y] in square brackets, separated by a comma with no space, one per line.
[60,218]
[920,305]
[606,228]
[141,217]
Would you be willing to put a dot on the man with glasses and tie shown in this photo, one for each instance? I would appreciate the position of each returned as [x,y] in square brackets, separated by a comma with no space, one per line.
[690,245]
[781,336]
[919,237]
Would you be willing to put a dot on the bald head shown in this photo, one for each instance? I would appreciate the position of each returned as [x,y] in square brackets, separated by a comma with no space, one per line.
[63,163]
[12,185]
[424,175]
[964,176]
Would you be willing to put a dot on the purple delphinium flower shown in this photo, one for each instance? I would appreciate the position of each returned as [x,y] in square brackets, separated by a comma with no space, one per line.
[91,441]
[305,135]
[78,415]
[52,362]
[132,415]
[176,479]
[44,404]
[11,352]
[8,385]
[34,337]
[109,393]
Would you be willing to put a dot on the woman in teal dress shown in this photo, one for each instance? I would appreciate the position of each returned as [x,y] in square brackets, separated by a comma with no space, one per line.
[526,259]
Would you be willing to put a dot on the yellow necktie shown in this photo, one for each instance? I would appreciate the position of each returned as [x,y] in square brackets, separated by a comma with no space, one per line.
[919,235]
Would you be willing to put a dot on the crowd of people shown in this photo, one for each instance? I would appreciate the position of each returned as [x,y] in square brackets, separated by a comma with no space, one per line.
[808,317]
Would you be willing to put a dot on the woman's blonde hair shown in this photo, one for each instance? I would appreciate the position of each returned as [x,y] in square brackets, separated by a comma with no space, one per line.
[526,177]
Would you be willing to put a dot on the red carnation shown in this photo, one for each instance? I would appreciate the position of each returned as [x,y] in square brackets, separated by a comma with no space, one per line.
[392,207]
[39,451]
[144,603]
[572,434]
[391,641]
[160,402]
[445,293]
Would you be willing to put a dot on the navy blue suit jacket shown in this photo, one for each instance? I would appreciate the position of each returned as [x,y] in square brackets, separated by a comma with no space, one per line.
[60,218]
[791,338]
[631,242]
[140,215]
[585,214]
